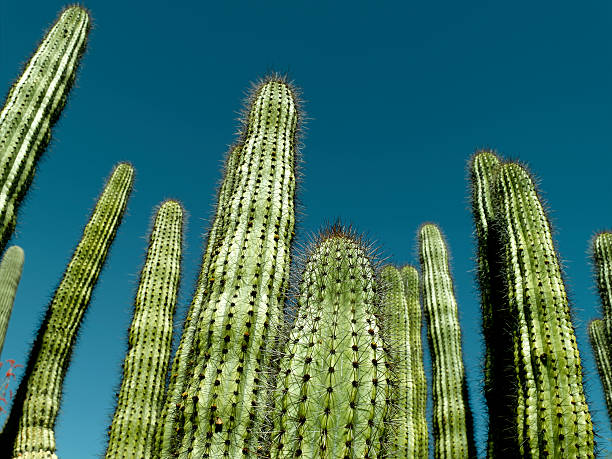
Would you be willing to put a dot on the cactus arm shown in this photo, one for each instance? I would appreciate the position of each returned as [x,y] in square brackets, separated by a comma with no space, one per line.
[601,350]
[10,274]
[452,422]
[33,105]
[602,260]
[150,339]
[29,430]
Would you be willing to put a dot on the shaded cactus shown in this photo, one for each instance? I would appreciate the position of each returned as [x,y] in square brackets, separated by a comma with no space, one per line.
[407,436]
[10,274]
[550,408]
[601,349]
[33,105]
[452,418]
[150,338]
[331,393]
[602,261]
[29,431]
[217,373]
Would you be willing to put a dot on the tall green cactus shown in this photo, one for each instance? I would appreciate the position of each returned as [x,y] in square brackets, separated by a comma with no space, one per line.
[217,373]
[452,418]
[601,349]
[408,435]
[29,430]
[331,393]
[33,105]
[150,338]
[10,274]
[550,408]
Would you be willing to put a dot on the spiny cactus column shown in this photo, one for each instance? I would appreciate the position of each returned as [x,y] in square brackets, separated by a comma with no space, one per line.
[405,439]
[217,374]
[30,426]
[601,350]
[33,105]
[150,339]
[332,387]
[551,411]
[602,260]
[452,419]
[10,274]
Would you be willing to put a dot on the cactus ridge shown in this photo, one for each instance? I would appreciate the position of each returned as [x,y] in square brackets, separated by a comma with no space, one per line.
[600,345]
[29,430]
[551,410]
[602,261]
[214,393]
[10,274]
[150,338]
[332,388]
[33,105]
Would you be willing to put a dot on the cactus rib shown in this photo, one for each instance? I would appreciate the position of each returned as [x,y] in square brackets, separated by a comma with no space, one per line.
[10,274]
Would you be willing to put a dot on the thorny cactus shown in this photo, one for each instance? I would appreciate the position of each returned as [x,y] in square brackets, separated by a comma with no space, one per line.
[601,351]
[10,274]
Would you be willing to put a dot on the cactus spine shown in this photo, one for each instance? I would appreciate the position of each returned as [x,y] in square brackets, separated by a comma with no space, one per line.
[551,412]
[10,274]
[601,350]
[29,430]
[150,339]
[217,373]
[33,105]
[332,386]
[452,419]
[408,436]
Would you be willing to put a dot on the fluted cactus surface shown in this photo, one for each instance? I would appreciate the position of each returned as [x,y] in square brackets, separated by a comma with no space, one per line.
[551,412]
[602,258]
[33,105]
[331,393]
[10,274]
[217,374]
[150,338]
[452,420]
[29,431]
[601,350]
[405,438]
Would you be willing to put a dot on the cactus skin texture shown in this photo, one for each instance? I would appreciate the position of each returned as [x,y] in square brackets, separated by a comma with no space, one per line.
[407,437]
[29,430]
[452,418]
[217,373]
[601,350]
[33,105]
[10,274]
[332,389]
[150,339]
[602,261]
[551,412]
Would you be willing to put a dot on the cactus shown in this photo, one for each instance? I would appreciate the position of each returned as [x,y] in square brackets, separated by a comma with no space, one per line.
[33,105]
[452,418]
[217,373]
[10,274]
[29,431]
[150,339]
[550,408]
[332,387]
[601,350]
[408,436]
[602,261]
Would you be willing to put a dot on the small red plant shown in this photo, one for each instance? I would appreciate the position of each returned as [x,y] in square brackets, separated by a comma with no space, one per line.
[4,386]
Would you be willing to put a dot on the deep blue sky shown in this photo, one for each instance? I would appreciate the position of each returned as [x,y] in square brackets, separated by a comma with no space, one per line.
[397,96]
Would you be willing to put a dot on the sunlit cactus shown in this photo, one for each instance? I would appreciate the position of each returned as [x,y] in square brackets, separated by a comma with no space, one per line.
[33,105]
[217,375]
[29,430]
[332,388]
[10,274]
[150,338]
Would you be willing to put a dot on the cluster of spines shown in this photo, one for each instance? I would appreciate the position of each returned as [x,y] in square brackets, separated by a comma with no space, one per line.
[29,431]
[214,391]
[150,338]
[332,387]
[10,274]
[452,419]
[33,105]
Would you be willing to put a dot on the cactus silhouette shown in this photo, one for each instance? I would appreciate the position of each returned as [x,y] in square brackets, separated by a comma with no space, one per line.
[331,395]
[407,436]
[32,106]
[150,338]
[29,430]
[601,350]
[217,373]
[452,418]
[10,274]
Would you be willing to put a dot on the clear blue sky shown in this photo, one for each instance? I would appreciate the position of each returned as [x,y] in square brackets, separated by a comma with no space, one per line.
[397,97]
